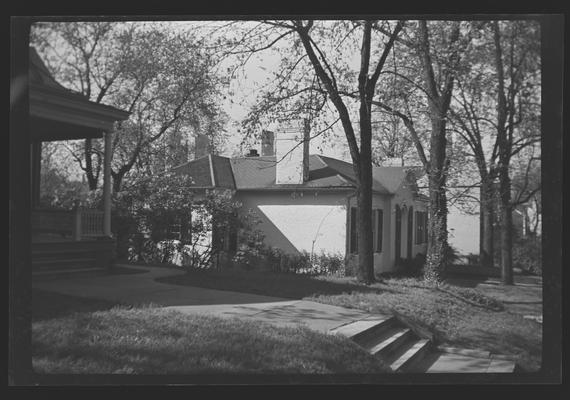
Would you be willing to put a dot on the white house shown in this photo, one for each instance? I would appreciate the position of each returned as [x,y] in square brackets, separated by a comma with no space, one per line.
[307,202]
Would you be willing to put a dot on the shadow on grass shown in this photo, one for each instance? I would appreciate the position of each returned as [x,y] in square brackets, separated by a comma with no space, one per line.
[465,281]
[290,286]
[48,305]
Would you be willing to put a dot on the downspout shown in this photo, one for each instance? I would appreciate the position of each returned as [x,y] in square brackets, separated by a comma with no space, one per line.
[347,235]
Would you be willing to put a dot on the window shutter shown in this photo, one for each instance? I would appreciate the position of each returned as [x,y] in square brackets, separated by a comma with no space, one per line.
[380,223]
[353,232]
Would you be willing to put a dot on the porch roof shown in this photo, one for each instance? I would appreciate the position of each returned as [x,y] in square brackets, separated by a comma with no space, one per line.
[57,113]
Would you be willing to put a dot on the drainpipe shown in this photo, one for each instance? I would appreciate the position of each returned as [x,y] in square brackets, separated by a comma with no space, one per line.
[347,241]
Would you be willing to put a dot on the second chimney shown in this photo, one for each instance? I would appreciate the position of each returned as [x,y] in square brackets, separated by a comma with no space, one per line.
[267,143]
[292,152]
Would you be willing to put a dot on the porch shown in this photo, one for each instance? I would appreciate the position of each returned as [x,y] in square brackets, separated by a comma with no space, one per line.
[69,241]
[79,239]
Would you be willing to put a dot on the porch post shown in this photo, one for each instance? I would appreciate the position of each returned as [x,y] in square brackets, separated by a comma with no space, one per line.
[107,183]
[36,158]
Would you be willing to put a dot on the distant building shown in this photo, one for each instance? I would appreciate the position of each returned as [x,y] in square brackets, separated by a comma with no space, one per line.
[307,202]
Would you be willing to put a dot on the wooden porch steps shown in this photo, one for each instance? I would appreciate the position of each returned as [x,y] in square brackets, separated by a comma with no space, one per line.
[62,258]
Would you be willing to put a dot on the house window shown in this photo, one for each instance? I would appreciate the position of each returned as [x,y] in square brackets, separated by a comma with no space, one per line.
[421,227]
[377,226]
[353,248]
[379,223]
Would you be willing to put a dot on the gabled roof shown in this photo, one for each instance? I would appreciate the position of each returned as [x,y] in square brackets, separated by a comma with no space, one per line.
[258,173]
[209,171]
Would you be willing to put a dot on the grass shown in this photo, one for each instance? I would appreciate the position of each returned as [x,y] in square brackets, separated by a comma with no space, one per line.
[480,317]
[157,341]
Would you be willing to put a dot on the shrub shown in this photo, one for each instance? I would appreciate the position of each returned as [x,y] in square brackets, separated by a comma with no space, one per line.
[527,254]
[413,267]
[304,263]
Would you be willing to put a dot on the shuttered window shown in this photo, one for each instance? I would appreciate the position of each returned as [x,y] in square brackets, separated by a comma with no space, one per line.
[421,227]
[353,232]
[379,222]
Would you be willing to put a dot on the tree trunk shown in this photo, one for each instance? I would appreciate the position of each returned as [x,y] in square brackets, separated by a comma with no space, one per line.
[117,181]
[91,178]
[506,227]
[365,270]
[486,245]
[436,259]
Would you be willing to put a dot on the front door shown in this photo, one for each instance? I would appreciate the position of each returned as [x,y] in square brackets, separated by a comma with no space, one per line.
[398,236]
[410,231]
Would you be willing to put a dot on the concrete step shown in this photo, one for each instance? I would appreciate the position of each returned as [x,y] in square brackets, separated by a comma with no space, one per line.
[444,362]
[385,344]
[363,331]
[410,354]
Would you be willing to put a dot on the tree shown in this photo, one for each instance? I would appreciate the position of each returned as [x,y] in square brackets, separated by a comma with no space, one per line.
[439,59]
[163,77]
[319,72]
[164,221]
[498,123]
[514,56]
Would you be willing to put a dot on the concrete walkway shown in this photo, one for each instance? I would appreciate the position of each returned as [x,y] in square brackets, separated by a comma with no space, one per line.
[142,288]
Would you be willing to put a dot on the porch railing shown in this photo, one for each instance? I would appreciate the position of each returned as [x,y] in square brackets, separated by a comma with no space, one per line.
[91,222]
[76,223]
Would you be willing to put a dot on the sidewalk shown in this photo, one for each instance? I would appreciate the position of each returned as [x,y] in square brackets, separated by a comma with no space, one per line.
[140,289]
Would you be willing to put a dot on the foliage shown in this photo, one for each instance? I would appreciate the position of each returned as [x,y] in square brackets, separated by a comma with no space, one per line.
[527,253]
[413,267]
[60,192]
[304,263]
[58,187]
[162,221]
[319,81]
[164,77]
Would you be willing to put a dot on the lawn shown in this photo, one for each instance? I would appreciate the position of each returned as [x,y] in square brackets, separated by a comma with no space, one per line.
[457,316]
[147,340]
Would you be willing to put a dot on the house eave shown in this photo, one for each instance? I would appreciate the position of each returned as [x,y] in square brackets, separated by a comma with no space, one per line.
[55,105]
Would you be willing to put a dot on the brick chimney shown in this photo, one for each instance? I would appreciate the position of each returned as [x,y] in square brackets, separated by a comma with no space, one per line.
[201,146]
[292,152]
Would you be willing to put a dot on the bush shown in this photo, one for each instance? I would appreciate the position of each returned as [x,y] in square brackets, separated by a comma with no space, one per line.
[413,267]
[304,263]
[527,254]
[452,254]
